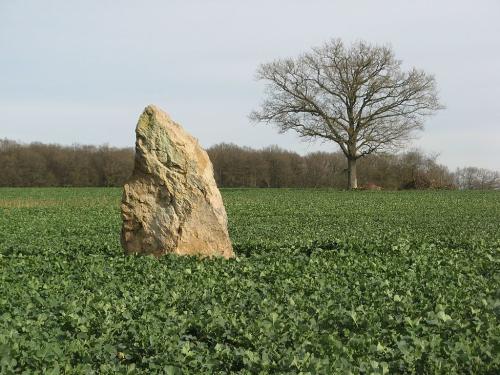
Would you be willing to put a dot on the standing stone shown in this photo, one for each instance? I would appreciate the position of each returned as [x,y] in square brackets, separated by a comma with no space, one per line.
[171,203]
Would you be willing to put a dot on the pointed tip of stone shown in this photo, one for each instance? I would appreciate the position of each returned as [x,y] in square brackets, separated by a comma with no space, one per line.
[152,107]
[153,110]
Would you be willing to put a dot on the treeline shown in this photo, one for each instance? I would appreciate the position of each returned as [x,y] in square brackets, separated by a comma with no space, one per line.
[38,164]
[236,166]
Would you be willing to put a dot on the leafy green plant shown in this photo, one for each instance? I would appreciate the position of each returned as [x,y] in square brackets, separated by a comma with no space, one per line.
[324,282]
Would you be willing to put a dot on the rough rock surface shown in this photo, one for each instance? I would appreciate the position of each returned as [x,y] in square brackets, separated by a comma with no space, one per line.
[171,203]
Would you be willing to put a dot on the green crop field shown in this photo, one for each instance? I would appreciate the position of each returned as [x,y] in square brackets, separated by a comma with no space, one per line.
[325,282]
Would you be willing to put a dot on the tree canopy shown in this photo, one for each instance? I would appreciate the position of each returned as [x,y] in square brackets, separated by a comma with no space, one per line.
[357,96]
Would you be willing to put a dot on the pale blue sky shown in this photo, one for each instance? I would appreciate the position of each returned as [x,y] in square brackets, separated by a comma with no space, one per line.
[82,71]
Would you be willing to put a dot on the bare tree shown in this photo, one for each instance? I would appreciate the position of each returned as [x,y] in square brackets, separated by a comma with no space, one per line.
[477,178]
[356,96]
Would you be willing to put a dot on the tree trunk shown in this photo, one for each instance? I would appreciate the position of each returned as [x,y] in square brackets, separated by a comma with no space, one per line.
[352,176]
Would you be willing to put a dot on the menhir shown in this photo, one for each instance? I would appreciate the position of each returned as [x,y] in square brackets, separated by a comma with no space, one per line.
[171,203]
